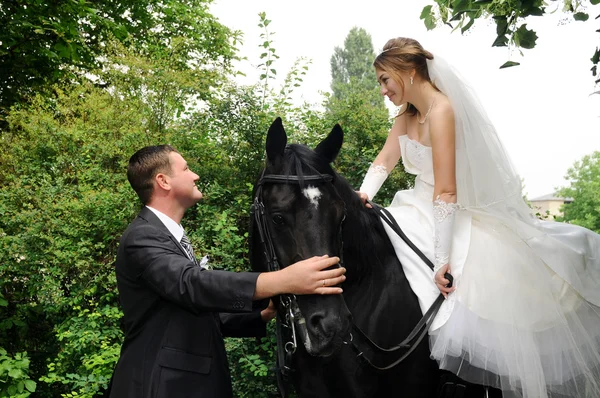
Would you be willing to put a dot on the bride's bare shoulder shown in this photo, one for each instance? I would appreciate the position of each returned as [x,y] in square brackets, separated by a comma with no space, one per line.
[443,108]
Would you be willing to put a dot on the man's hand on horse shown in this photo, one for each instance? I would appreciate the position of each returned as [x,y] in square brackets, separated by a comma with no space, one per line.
[441,282]
[311,276]
[364,197]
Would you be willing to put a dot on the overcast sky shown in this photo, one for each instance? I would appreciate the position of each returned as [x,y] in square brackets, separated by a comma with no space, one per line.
[542,109]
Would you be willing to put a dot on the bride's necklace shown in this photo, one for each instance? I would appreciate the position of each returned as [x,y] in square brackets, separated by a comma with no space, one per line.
[426,115]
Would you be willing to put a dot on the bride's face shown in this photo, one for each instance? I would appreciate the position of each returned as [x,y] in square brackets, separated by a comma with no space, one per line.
[390,87]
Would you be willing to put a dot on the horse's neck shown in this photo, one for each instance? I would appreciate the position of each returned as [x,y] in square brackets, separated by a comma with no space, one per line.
[368,254]
[376,289]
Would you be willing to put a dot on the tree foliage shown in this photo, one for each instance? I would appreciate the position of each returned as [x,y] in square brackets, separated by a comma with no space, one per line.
[584,189]
[510,17]
[352,64]
[43,42]
[65,200]
[358,106]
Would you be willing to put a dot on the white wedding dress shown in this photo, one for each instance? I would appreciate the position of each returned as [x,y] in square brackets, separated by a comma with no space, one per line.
[525,316]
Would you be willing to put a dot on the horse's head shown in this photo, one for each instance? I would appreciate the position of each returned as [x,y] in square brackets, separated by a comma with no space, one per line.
[303,216]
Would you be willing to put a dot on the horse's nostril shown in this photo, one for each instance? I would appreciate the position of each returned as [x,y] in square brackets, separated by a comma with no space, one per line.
[324,324]
[316,320]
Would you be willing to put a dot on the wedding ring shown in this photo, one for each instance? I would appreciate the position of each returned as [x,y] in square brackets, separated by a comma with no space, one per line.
[323,282]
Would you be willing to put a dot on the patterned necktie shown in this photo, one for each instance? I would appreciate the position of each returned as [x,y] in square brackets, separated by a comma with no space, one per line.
[187,245]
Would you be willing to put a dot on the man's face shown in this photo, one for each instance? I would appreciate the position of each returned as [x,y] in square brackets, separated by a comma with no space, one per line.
[183,181]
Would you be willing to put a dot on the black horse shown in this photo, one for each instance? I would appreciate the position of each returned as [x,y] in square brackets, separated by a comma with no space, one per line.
[307,210]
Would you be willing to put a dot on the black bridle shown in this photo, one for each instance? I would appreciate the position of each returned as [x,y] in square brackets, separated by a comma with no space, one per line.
[373,354]
[290,316]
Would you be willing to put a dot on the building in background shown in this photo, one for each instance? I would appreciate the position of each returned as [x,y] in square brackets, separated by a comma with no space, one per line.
[549,206]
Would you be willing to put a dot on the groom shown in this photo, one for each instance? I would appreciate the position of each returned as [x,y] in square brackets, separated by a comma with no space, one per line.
[175,312]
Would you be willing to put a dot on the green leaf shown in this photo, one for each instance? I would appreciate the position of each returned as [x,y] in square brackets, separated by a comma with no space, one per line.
[457,16]
[534,11]
[501,25]
[63,50]
[459,6]
[467,26]
[501,41]
[508,64]
[525,37]
[3,302]
[581,16]
[15,373]
[30,385]
[596,57]
[6,324]
[426,12]
[443,14]
[594,2]
[429,22]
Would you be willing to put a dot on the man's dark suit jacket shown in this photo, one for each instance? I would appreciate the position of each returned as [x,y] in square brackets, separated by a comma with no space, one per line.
[173,343]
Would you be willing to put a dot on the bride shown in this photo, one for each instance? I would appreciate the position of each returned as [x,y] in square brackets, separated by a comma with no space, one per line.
[523,314]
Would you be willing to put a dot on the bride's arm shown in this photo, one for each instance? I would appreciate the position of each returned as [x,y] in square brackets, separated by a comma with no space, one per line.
[385,161]
[442,133]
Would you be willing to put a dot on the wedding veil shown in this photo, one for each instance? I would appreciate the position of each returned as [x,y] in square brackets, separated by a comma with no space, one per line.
[485,177]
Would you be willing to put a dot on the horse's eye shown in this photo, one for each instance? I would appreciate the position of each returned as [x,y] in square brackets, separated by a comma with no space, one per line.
[277,219]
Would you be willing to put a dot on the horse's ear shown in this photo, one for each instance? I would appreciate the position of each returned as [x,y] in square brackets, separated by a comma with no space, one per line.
[276,140]
[330,146]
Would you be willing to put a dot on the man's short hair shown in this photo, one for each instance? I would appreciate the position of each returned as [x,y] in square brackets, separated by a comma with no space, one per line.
[144,165]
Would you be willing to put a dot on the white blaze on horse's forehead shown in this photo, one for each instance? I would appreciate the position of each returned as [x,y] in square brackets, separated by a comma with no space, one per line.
[313,194]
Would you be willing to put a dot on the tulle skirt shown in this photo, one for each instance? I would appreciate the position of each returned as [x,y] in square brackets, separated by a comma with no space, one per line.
[525,316]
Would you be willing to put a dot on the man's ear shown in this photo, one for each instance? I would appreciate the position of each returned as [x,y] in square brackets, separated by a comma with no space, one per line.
[161,180]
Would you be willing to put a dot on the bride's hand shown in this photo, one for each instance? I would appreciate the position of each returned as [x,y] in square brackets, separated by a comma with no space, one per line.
[363,197]
[441,282]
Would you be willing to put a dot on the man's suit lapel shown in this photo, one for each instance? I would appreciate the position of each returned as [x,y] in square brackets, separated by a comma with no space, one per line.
[151,218]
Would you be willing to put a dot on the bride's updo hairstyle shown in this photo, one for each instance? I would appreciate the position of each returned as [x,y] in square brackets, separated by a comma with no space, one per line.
[403,54]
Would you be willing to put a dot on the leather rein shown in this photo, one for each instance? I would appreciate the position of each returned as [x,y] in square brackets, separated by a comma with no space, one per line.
[373,354]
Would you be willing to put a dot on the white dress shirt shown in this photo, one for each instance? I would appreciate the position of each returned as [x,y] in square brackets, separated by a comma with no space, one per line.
[177,231]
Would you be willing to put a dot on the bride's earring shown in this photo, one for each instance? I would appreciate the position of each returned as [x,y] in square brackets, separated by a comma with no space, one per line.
[411,80]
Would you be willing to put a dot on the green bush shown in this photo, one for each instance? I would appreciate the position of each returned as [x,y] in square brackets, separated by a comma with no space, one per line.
[14,378]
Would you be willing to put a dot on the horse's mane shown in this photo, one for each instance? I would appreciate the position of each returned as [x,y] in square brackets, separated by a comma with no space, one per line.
[364,233]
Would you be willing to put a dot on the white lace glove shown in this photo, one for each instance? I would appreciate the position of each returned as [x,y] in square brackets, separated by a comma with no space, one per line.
[443,216]
[374,179]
